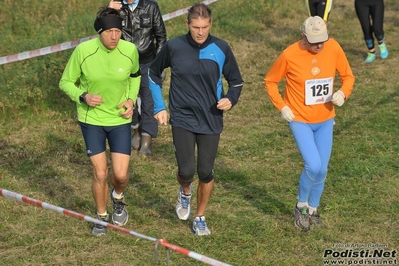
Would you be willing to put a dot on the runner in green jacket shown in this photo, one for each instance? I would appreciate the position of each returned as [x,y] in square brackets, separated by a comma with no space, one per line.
[103,78]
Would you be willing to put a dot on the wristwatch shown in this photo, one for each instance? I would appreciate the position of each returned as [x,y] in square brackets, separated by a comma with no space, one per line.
[82,98]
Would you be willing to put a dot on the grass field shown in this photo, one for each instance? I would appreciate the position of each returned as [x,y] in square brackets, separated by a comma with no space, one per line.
[257,169]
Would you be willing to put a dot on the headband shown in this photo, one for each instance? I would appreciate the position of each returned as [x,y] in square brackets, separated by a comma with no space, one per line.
[108,22]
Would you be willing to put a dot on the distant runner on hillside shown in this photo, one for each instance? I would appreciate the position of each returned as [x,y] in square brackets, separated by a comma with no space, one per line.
[371,18]
[319,8]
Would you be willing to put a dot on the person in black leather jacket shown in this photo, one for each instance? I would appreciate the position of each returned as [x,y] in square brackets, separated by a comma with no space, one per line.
[143,25]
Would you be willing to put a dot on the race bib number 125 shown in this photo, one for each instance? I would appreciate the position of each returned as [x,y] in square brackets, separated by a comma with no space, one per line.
[318,91]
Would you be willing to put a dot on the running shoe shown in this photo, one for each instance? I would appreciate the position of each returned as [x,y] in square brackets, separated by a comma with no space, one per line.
[314,219]
[120,215]
[183,208]
[383,50]
[99,229]
[199,226]
[301,218]
[370,57]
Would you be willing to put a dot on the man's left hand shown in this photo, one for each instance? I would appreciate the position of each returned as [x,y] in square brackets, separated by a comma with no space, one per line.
[224,104]
[129,106]
[338,98]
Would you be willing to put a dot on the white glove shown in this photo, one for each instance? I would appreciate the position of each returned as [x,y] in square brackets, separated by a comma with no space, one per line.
[286,114]
[338,98]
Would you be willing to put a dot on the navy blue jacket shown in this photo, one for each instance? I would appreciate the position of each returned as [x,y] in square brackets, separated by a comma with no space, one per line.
[196,82]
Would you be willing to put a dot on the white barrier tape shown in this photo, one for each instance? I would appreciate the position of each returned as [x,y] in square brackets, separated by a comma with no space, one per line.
[21,198]
[72,44]
[43,51]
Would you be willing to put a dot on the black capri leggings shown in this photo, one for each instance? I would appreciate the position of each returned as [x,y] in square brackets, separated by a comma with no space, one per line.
[374,9]
[319,8]
[207,146]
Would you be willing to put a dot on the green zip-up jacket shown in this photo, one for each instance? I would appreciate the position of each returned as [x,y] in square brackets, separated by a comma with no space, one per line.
[112,74]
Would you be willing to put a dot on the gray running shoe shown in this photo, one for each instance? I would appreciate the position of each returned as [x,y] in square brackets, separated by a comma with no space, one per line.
[199,227]
[301,218]
[314,219]
[120,215]
[99,229]
[183,208]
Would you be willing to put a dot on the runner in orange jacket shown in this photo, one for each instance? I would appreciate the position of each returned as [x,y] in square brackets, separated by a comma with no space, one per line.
[309,67]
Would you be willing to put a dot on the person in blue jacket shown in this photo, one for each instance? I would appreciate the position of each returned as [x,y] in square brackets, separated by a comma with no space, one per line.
[198,61]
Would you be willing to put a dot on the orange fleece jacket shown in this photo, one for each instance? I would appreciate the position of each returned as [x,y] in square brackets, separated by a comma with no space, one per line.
[299,66]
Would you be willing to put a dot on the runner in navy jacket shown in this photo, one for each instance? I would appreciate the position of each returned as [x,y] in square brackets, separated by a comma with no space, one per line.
[196,82]
[198,62]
